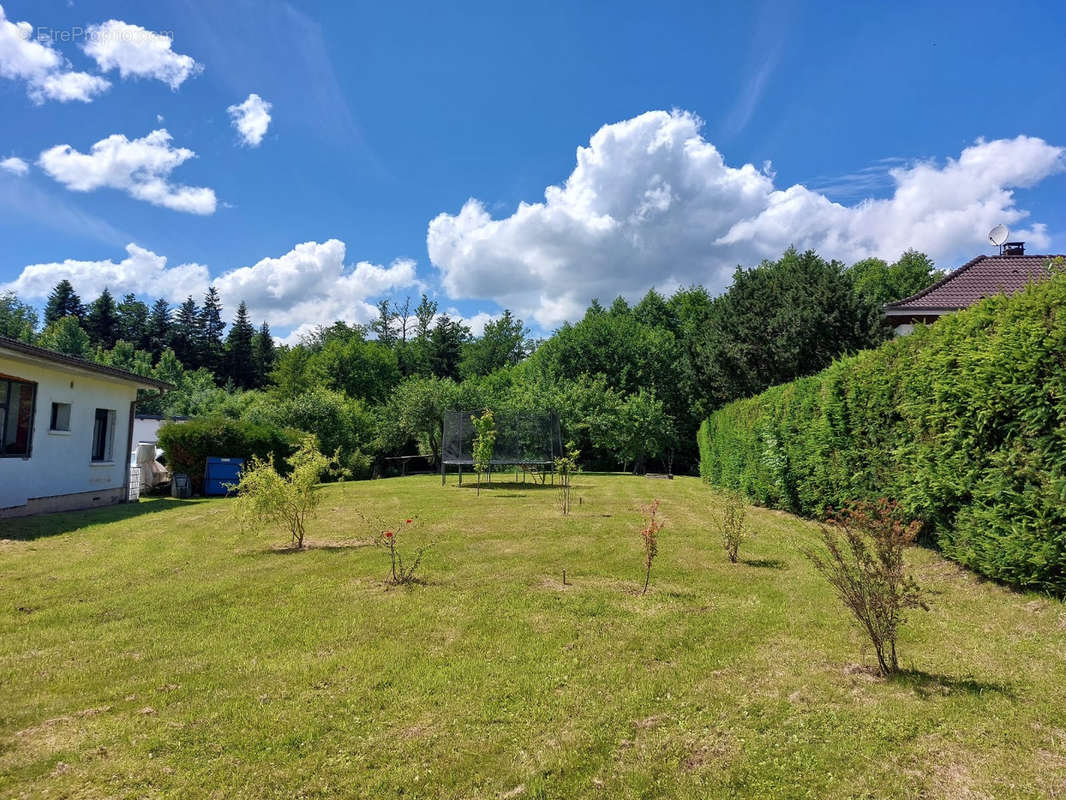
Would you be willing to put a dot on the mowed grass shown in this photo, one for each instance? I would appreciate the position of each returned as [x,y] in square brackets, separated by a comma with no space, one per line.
[155,650]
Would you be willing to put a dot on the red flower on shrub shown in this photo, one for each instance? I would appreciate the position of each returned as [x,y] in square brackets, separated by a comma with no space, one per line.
[408,522]
[388,534]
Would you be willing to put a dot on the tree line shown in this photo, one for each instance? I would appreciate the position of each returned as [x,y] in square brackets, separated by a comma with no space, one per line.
[631,382]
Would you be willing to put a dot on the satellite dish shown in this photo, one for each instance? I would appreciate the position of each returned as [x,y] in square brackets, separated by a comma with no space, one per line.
[998,235]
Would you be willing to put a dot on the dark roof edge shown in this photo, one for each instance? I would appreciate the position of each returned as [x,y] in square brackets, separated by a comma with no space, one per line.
[55,357]
[952,275]
[937,285]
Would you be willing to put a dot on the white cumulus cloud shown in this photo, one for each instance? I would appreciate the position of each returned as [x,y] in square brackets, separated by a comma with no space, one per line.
[251,119]
[44,70]
[137,53]
[308,286]
[141,272]
[139,167]
[652,203]
[15,165]
[311,284]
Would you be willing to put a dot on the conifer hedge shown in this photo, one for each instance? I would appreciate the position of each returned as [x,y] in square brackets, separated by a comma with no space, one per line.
[963,422]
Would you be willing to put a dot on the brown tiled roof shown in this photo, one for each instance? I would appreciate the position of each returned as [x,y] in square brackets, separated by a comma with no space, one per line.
[44,354]
[979,278]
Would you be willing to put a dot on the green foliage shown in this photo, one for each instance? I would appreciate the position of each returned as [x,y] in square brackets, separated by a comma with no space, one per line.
[65,335]
[731,522]
[17,319]
[343,426]
[503,344]
[880,282]
[484,443]
[781,320]
[188,444]
[566,465]
[265,497]
[414,412]
[963,423]
[63,301]
[101,321]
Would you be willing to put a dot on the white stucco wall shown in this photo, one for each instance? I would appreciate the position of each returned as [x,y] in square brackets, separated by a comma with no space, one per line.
[61,463]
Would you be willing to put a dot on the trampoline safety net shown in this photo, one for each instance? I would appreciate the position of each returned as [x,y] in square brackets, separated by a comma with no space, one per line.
[522,438]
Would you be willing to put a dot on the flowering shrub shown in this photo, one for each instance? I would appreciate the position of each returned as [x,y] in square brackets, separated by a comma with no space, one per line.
[388,538]
[649,535]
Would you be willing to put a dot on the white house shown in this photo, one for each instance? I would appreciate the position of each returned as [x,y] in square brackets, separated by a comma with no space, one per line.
[66,430]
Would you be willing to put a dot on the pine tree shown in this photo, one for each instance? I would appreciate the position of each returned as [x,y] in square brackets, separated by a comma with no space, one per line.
[424,314]
[186,334]
[385,325]
[264,355]
[446,347]
[158,328]
[133,322]
[239,366]
[63,302]
[101,322]
[211,330]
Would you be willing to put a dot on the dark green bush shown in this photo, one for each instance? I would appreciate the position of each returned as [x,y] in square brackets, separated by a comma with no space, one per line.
[963,423]
[188,444]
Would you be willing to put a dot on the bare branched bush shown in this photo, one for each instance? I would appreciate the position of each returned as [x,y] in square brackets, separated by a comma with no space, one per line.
[731,523]
[649,534]
[863,560]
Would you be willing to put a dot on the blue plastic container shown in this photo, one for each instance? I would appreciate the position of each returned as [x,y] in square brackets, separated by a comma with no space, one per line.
[219,472]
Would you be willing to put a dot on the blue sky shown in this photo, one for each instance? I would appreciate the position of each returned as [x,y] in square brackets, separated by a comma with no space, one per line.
[385,119]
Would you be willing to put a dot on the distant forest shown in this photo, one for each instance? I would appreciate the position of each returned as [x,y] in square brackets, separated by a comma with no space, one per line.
[630,382]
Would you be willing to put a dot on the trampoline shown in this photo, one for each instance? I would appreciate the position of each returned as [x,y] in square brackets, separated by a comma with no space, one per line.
[527,441]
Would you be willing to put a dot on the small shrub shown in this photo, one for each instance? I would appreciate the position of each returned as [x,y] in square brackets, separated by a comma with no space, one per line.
[731,522]
[863,560]
[484,445]
[265,497]
[566,466]
[649,535]
[389,538]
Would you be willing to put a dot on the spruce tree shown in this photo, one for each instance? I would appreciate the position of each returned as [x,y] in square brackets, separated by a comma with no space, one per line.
[264,355]
[158,328]
[211,330]
[186,334]
[424,314]
[101,322]
[63,302]
[133,322]
[385,325]
[239,366]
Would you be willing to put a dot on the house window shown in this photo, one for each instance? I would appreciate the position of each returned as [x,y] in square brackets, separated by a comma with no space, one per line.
[60,417]
[103,434]
[16,416]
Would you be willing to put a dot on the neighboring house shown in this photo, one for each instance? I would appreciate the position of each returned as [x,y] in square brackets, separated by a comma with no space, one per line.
[66,430]
[146,427]
[982,277]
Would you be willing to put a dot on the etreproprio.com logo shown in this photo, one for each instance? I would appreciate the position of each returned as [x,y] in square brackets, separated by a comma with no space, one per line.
[94,33]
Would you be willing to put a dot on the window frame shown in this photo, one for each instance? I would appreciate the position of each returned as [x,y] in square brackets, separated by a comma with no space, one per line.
[52,417]
[110,417]
[5,404]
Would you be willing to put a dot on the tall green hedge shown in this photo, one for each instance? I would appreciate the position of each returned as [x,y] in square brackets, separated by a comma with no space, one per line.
[187,445]
[963,422]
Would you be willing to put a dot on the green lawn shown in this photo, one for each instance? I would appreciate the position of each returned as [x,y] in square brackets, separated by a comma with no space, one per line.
[154,650]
